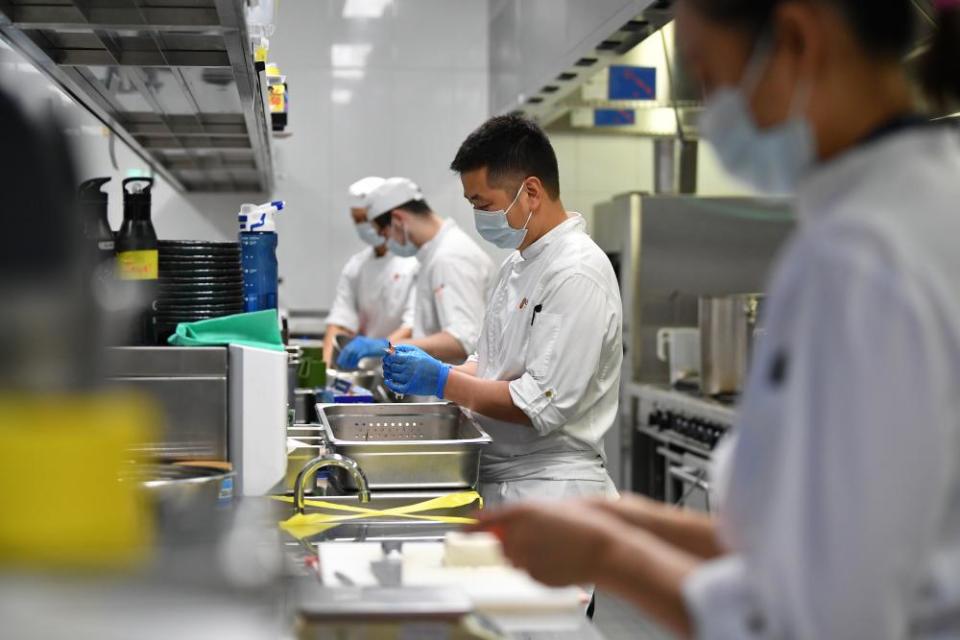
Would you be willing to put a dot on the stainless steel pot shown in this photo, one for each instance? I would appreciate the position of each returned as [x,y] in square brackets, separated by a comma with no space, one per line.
[185,497]
[727,328]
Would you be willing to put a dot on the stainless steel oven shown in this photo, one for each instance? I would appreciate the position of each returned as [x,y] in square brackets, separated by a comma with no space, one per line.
[674,438]
[687,479]
[668,251]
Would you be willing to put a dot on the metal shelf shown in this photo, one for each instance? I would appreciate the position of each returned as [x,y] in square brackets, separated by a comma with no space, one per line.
[175,79]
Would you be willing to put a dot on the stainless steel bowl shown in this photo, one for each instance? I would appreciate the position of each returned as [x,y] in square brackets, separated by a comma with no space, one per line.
[186,497]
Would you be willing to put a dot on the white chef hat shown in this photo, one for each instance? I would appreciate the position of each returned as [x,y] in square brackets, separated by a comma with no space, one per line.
[361,189]
[391,194]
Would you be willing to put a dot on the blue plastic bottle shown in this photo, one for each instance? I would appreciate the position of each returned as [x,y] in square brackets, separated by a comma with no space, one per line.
[258,255]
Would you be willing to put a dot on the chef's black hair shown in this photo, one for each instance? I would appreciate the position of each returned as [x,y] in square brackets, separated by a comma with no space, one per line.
[418,207]
[885,28]
[511,148]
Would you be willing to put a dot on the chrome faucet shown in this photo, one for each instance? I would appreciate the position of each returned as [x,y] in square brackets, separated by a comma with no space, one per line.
[321,462]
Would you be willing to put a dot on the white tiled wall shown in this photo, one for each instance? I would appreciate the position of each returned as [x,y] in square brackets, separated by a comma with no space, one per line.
[596,167]
[392,95]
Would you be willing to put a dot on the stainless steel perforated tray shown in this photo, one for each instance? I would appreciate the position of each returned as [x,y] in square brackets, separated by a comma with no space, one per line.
[404,446]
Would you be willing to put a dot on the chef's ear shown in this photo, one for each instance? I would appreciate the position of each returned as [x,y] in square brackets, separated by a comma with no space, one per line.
[398,218]
[535,192]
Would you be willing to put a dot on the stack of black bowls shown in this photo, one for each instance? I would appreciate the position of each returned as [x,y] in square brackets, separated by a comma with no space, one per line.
[198,281]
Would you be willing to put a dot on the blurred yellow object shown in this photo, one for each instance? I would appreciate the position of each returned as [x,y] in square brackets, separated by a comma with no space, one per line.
[276,89]
[63,506]
[261,49]
[277,98]
[304,525]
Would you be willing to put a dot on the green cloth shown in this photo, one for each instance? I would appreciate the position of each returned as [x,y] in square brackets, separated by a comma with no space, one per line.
[256,329]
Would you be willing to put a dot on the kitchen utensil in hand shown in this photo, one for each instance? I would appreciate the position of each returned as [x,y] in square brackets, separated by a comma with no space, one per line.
[410,370]
[361,347]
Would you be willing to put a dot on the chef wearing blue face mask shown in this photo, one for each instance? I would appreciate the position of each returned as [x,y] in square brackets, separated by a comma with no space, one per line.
[545,377]
[770,160]
[453,282]
[375,293]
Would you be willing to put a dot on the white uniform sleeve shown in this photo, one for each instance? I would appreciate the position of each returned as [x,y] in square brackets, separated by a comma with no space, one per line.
[459,293]
[842,482]
[410,308]
[345,310]
[566,350]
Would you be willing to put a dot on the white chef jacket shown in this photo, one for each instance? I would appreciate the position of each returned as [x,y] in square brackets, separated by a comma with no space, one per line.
[455,278]
[841,495]
[554,329]
[375,296]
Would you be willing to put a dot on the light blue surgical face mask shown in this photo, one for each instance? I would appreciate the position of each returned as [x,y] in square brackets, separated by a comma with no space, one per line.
[406,250]
[494,227]
[368,234]
[773,160]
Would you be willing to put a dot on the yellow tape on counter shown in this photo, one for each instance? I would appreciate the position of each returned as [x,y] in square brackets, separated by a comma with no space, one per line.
[302,525]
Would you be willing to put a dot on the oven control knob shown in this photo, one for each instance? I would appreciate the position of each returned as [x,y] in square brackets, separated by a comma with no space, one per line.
[670,420]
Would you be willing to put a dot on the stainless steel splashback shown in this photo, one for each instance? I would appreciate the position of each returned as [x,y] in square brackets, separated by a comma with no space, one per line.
[670,250]
[190,385]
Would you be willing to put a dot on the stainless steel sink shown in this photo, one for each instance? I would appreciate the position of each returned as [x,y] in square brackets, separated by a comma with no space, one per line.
[371,531]
[405,447]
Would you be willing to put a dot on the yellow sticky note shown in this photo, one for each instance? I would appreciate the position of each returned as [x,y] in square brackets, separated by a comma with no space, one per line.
[138,265]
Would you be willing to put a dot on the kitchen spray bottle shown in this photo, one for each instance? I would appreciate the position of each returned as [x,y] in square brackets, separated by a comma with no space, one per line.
[258,254]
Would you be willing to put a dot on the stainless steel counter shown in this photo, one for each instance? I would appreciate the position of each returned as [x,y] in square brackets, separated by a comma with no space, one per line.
[405,609]
[307,591]
[246,580]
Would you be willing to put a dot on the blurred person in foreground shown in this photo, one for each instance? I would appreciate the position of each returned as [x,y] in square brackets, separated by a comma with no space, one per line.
[839,489]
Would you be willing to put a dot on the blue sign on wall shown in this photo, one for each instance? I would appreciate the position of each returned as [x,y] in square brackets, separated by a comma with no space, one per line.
[633,83]
[614,117]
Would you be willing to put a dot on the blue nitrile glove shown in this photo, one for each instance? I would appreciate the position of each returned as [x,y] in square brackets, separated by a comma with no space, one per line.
[411,371]
[361,347]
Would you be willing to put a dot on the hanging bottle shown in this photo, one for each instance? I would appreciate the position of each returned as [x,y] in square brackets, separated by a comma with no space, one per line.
[96,226]
[137,255]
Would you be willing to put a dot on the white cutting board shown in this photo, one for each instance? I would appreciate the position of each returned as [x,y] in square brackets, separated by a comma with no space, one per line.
[493,590]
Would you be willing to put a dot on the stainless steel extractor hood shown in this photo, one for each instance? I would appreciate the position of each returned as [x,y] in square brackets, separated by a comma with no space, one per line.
[572,101]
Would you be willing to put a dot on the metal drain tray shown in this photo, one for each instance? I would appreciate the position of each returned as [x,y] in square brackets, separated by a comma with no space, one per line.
[405,446]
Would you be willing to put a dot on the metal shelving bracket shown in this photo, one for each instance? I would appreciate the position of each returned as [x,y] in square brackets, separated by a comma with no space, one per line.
[174,79]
